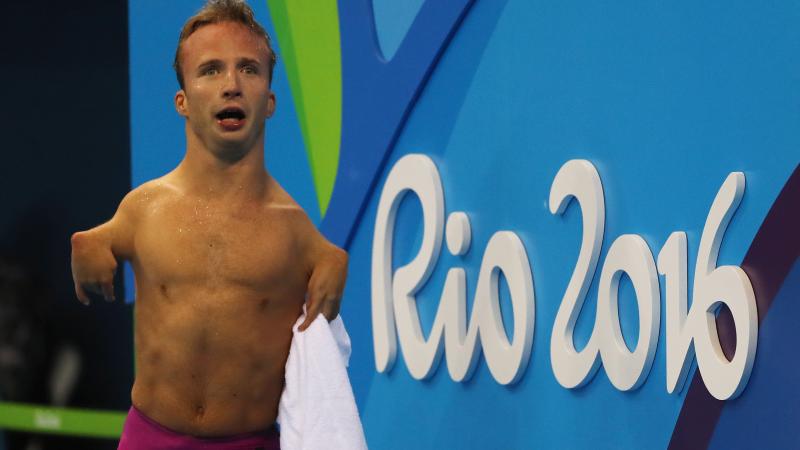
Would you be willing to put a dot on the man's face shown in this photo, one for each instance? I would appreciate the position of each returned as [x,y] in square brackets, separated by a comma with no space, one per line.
[226,98]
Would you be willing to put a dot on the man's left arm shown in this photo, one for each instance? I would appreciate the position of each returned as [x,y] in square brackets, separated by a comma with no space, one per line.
[327,280]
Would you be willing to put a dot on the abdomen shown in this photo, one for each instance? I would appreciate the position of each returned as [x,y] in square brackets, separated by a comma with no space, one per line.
[210,360]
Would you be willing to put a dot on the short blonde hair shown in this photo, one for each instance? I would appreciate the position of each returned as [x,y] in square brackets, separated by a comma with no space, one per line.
[217,11]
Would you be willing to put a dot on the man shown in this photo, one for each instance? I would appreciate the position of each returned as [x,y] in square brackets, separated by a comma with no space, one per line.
[224,259]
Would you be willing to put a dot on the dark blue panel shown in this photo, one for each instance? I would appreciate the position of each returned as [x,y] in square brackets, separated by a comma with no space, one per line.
[377,96]
[767,417]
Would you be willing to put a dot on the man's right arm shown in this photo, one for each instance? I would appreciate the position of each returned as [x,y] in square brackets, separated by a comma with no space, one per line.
[95,252]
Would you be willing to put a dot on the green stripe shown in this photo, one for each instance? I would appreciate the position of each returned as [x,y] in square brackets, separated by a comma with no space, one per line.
[308,33]
[76,422]
[280,18]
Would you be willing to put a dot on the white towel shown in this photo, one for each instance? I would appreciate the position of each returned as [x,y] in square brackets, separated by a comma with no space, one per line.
[317,409]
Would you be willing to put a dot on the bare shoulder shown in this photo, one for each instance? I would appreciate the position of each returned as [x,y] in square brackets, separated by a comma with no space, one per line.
[147,196]
[122,228]
[297,217]
[282,205]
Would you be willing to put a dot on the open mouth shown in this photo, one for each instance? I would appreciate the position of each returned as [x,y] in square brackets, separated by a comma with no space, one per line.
[231,118]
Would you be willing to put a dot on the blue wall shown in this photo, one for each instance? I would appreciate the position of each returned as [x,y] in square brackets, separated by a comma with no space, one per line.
[665,99]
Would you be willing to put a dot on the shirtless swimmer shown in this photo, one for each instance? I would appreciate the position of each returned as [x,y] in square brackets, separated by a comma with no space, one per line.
[223,258]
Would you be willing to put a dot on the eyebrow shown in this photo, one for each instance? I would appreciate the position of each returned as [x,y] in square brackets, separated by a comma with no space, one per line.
[250,61]
[209,63]
[218,62]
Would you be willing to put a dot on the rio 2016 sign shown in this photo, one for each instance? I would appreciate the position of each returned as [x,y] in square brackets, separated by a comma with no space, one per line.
[690,332]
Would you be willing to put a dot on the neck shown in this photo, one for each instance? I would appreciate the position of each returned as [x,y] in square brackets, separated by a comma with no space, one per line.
[224,172]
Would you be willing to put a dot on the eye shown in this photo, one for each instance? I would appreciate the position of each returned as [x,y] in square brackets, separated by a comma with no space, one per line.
[210,70]
[250,69]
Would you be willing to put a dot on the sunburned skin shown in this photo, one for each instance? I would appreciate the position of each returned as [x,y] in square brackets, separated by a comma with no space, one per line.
[223,257]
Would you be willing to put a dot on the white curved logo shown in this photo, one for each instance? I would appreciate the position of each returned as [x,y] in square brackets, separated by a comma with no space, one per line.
[394,292]
[691,332]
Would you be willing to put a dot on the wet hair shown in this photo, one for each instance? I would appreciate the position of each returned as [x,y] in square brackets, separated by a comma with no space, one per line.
[218,11]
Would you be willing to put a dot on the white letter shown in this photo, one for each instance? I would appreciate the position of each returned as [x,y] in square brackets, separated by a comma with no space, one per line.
[416,173]
[672,263]
[578,179]
[505,253]
[726,284]
[629,254]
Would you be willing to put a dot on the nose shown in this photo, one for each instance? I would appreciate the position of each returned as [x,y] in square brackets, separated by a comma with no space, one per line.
[231,88]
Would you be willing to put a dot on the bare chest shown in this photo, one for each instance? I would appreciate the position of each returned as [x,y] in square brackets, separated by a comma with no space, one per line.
[196,243]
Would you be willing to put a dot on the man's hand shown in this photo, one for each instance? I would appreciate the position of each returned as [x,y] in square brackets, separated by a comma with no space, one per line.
[324,293]
[93,265]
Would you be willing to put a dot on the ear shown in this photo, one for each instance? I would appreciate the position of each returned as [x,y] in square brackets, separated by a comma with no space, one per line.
[270,104]
[181,103]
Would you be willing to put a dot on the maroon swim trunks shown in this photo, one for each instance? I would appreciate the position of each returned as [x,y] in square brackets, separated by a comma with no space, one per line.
[143,433]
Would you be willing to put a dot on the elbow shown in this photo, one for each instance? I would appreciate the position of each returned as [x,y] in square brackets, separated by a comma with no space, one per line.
[336,258]
[85,240]
[78,240]
[341,255]
[345,259]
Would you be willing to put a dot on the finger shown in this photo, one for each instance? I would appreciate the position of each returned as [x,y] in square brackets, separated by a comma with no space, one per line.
[312,305]
[331,309]
[312,310]
[82,297]
[92,288]
[108,291]
[94,291]
[310,316]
